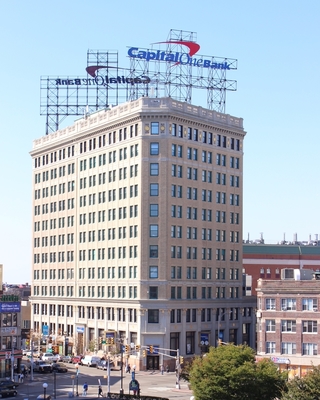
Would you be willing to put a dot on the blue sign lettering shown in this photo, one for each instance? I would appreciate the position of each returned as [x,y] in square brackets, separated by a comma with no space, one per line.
[181,58]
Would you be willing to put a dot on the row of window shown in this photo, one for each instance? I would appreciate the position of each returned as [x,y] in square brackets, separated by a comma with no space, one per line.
[204,137]
[308,349]
[290,304]
[206,253]
[291,326]
[61,222]
[85,146]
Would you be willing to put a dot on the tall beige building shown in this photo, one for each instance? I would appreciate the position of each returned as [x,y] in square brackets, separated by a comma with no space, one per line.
[137,229]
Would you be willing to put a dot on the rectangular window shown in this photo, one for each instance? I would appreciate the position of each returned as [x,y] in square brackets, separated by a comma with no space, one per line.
[154,128]
[153,316]
[153,272]
[154,169]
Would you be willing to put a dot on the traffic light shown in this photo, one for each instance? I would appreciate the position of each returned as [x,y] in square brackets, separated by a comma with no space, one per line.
[151,349]
[112,340]
[137,347]
[127,348]
[181,359]
[144,353]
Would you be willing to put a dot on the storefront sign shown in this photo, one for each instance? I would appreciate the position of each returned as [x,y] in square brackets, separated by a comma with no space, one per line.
[10,307]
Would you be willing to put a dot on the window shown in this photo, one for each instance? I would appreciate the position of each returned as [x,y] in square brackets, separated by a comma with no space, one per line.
[288,348]
[270,304]
[154,230]
[288,326]
[153,316]
[270,347]
[270,325]
[154,169]
[154,128]
[309,349]
[154,210]
[309,327]
[153,272]
[309,304]
[153,292]
[153,251]
[154,149]
[288,304]
[154,189]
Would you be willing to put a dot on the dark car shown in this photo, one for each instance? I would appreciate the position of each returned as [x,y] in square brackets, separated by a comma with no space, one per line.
[8,384]
[8,392]
[59,367]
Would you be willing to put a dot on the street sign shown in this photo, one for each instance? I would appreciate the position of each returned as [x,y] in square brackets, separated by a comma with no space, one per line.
[45,330]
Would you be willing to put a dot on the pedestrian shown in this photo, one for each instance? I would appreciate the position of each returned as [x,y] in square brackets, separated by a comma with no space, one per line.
[85,389]
[167,369]
[21,377]
[100,394]
[128,369]
[161,369]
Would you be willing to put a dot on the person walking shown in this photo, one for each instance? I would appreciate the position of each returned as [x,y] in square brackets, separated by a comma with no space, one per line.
[161,369]
[128,369]
[85,389]
[100,393]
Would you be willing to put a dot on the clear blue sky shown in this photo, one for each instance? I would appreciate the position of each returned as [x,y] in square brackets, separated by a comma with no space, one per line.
[276,43]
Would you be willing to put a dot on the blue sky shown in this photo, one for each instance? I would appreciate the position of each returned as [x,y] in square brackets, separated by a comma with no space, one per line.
[277,47]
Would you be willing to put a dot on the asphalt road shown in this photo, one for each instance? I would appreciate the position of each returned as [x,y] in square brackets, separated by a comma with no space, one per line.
[151,383]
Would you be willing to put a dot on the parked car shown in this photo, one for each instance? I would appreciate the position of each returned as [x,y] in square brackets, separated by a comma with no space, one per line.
[65,359]
[41,366]
[76,359]
[8,384]
[90,361]
[50,357]
[8,392]
[59,367]
[103,364]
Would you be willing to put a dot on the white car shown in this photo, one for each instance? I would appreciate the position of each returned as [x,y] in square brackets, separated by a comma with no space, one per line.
[50,357]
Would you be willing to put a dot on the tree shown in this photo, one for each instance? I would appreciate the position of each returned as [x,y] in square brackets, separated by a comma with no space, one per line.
[306,388]
[230,372]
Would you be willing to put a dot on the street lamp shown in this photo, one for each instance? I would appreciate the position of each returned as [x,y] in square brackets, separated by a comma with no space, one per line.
[45,385]
[121,367]
[77,376]
[287,364]
[220,315]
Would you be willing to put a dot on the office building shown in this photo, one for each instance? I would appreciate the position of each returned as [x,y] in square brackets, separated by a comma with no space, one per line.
[137,230]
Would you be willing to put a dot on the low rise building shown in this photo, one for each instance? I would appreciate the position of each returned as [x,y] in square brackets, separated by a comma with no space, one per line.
[288,320]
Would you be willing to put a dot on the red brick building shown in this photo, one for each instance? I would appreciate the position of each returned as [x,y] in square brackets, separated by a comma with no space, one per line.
[265,261]
[288,321]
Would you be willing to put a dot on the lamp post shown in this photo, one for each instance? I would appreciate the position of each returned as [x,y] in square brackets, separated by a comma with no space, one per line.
[77,376]
[287,364]
[219,325]
[121,376]
[45,385]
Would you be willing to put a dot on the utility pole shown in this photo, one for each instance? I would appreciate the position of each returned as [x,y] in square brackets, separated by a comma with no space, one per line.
[178,370]
[109,376]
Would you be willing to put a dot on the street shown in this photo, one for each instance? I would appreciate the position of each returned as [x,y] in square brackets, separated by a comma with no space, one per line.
[151,383]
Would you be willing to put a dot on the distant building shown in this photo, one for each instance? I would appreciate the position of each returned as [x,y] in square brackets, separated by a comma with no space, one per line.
[288,320]
[265,261]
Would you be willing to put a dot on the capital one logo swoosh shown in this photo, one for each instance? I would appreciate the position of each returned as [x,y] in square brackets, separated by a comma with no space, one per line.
[94,68]
[192,46]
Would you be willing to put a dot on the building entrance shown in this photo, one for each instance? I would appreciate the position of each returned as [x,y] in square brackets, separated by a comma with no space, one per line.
[152,362]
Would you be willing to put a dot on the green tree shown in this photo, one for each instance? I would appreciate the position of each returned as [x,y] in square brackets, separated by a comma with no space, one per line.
[231,373]
[306,388]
